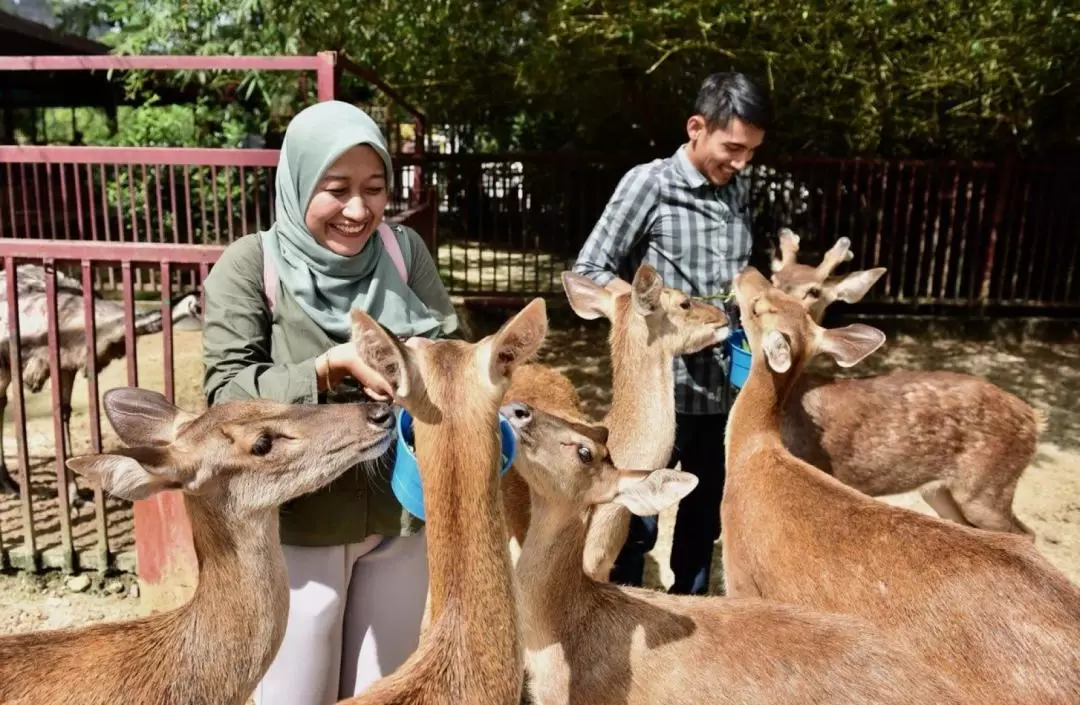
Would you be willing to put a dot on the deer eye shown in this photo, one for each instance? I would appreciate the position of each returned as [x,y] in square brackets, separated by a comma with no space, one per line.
[685,304]
[584,454]
[262,445]
[812,292]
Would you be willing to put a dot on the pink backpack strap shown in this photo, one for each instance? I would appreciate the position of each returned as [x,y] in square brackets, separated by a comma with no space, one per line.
[390,244]
[270,280]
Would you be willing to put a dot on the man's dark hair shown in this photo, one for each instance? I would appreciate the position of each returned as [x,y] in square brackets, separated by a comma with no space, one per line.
[724,96]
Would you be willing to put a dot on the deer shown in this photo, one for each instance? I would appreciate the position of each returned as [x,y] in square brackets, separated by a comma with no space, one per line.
[596,643]
[234,465]
[960,440]
[470,651]
[984,607]
[650,326]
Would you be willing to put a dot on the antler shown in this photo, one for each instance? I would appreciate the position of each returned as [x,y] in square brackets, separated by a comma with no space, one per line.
[839,252]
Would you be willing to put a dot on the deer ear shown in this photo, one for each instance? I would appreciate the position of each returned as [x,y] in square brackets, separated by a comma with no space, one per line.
[382,352]
[659,490]
[854,286]
[777,351]
[646,290]
[588,299]
[143,417]
[851,344]
[124,476]
[517,341]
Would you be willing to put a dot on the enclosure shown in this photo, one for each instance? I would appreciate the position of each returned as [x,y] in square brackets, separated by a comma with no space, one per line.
[143,225]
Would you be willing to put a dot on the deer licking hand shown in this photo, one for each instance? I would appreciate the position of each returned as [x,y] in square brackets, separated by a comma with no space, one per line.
[470,651]
[235,464]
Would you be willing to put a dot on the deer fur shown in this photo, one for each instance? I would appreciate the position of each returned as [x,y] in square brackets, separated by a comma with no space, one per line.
[109,321]
[470,651]
[961,440]
[235,464]
[983,607]
[588,642]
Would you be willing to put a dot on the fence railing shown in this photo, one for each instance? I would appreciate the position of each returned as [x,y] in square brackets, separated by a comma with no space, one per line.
[952,234]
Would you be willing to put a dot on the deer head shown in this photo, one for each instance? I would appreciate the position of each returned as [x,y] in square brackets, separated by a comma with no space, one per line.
[779,327]
[437,379]
[249,455]
[681,324]
[815,287]
[567,463]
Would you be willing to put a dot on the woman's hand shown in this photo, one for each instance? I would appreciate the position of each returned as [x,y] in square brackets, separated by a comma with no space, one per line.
[344,360]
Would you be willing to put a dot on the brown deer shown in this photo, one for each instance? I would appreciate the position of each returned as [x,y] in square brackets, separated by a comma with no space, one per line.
[235,464]
[959,439]
[649,326]
[471,650]
[983,607]
[595,643]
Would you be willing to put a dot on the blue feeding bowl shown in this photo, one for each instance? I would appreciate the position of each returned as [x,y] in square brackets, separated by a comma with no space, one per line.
[740,359]
[405,477]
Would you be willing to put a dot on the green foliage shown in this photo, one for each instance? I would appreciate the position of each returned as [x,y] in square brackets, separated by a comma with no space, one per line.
[893,77]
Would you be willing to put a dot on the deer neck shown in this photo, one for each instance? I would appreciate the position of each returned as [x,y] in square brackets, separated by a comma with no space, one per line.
[641,421]
[554,588]
[470,573]
[236,619]
[757,412]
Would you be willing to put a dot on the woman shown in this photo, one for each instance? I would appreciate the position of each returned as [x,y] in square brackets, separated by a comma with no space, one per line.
[276,327]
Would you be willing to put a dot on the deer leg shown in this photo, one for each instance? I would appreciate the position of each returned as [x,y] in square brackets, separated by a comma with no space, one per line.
[7,483]
[941,500]
[992,511]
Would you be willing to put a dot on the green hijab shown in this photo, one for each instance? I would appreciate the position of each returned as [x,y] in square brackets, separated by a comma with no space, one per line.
[325,284]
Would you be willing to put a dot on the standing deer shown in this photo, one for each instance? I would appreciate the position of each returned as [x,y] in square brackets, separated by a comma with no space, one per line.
[593,643]
[649,327]
[471,650]
[235,464]
[71,326]
[959,439]
[983,607]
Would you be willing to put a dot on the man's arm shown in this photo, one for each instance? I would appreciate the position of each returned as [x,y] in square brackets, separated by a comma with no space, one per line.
[623,223]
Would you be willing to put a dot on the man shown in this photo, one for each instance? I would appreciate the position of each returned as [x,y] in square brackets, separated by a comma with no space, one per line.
[688,216]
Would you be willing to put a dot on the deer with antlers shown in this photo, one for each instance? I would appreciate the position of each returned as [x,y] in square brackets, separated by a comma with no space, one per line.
[959,439]
[983,607]
[235,464]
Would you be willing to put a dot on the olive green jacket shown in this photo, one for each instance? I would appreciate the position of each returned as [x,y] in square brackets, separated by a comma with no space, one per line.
[249,353]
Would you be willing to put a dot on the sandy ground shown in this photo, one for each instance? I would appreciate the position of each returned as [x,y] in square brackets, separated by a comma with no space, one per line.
[1048,498]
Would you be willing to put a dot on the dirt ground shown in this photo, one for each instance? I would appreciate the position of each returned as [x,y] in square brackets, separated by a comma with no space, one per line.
[1048,498]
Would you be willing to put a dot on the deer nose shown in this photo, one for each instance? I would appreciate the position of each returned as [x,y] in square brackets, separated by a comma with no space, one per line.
[517,413]
[380,415]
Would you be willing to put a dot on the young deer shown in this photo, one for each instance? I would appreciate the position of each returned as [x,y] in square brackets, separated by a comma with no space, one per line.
[963,441]
[595,643]
[235,463]
[471,650]
[984,608]
[649,327]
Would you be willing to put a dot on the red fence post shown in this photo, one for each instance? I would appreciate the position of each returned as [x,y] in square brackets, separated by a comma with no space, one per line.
[1004,189]
[326,75]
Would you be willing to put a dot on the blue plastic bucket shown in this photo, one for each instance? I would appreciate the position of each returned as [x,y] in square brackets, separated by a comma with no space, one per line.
[405,477]
[740,359]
